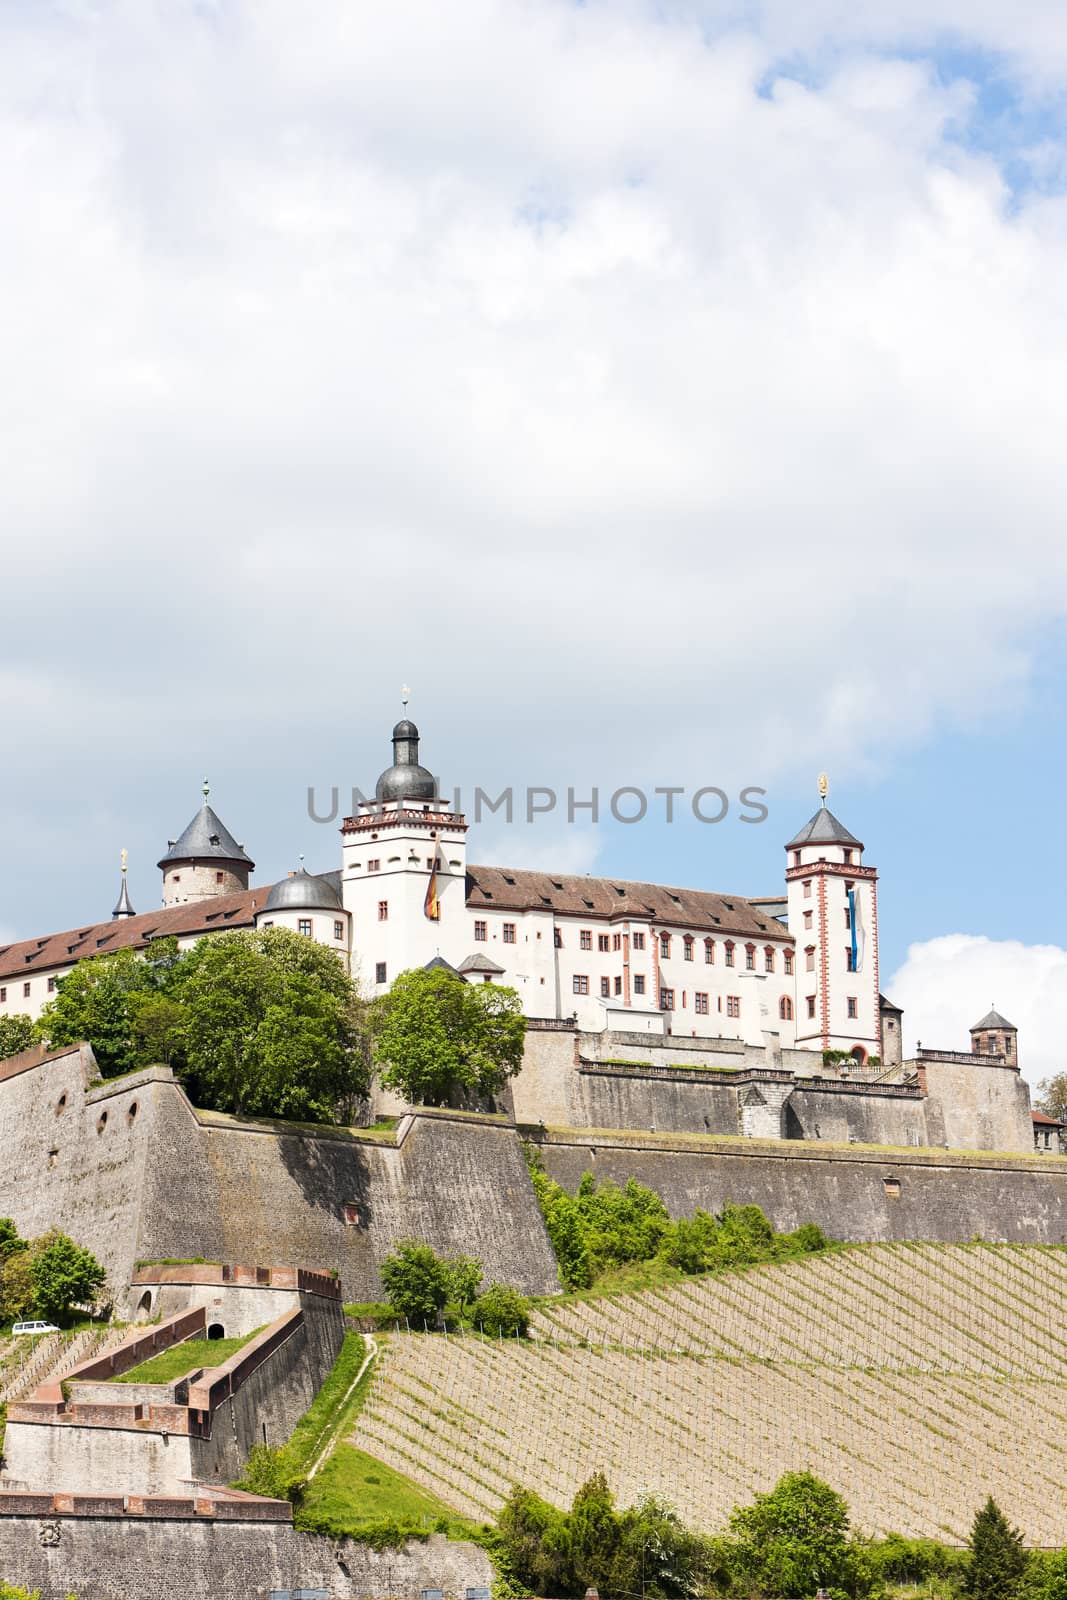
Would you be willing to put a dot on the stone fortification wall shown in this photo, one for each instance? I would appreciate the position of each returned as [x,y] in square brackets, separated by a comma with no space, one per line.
[860,1195]
[868,1114]
[135,1174]
[972,1105]
[186,1555]
[223,1190]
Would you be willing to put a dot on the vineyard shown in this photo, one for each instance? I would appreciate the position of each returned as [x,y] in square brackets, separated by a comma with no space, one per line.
[916,1379]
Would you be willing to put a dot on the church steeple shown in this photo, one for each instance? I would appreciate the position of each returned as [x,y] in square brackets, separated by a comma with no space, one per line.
[123,909]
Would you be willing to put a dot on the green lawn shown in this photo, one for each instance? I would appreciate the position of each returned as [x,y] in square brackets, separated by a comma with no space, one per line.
[183,1358]
[353,1489]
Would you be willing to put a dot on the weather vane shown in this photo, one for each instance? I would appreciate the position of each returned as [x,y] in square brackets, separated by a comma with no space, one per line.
[405,694]
[125,858]
[207,788]
[824,786]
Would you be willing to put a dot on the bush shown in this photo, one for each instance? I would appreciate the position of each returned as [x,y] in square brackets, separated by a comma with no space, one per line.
[16,1035]
[416,1282]
[794,1541]
[501,1310]
[269,1472]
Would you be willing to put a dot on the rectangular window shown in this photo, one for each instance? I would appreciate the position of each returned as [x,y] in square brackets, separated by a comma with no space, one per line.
[3,994]
[852,1008]
[666,999]
[585,939]
[768,960]
[267,924]
[787,962]
[850,963]
[616,941]
[639,941]
[581,983]
[700,1004]
[664,946]
[51,986]
[557,938]
[750,959]
[848,918]
[733,1005]
[618,986]
[218,877]
[729,954]
[25,991]
[809,958]
[338,931]
[379,972]
[481,931]
[807,888]
[374,866]
[639,983]
[688,948]
[605,988]
[811,1005]
[807,919]
[383,911]
[603,942]
[509,933]
[304,926]
[709,952]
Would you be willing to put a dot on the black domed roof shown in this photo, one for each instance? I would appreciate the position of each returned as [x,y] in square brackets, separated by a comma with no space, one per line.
[303,892]
[405,779]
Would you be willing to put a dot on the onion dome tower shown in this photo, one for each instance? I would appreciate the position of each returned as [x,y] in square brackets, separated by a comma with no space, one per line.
[405,779]
[123,909]
[311,906]
[204,861]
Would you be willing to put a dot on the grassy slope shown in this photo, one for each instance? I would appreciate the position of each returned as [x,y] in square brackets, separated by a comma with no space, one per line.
[183,1358]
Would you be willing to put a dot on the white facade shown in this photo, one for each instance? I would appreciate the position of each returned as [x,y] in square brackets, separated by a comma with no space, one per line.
[630,956]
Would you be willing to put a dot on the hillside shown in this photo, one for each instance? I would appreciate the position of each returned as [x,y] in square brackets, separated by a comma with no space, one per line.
[916,1379]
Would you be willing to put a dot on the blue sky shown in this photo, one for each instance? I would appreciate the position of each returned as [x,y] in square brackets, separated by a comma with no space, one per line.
[672,394]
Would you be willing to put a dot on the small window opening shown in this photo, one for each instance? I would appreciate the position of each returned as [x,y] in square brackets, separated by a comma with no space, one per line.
[101,1122]
[216,1331]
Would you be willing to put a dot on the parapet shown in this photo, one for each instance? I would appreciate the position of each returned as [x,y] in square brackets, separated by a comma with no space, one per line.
[206,1502]
[298,1280]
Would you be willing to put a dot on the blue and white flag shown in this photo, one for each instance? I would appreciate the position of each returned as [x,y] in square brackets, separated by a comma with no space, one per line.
[857,931]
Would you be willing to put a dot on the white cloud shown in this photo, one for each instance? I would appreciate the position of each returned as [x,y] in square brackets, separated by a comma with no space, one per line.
[549,357]
[946,985]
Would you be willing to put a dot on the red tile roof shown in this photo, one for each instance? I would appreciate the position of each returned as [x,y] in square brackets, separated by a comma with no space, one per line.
[615,899]
[100,938]
[1047,1122]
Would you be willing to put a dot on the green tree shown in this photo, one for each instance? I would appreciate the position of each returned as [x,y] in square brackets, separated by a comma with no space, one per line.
[63,1274]
[415,1281]
[16,1286]
[794,1540]
[501,1310]
[9,1239]
[657,1555]
[464,1275]
[593,1533]
[16,1035]
[93,1003]
[1052,1096]
[566,1231]
[271,1027]
[996,1560]
[533,1536]
[436,1036]
[156,1027]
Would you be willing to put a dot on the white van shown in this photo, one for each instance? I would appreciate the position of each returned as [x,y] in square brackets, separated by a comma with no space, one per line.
[34,1328]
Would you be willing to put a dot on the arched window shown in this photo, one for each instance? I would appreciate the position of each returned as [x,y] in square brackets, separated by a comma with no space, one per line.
[785,1008]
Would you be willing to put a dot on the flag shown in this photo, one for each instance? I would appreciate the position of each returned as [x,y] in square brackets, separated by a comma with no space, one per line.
[432,905]
[857,931]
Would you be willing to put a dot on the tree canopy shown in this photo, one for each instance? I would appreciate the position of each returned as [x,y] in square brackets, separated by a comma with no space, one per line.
[436,1036]
[996,1560]
[1052,1096]
[16,1035]
[263,1023]
[46,1277]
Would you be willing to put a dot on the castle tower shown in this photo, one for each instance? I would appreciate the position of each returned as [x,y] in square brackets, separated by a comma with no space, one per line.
[833,916]
[123,909]
[311,906]
[404,879]
[994,1036]
[205,861]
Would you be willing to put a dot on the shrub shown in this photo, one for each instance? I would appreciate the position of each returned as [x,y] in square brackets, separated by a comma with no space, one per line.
[501,1310]
[269,1472]
[416,1282]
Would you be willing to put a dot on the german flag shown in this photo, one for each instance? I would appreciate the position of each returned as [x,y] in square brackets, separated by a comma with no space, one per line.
[432,905]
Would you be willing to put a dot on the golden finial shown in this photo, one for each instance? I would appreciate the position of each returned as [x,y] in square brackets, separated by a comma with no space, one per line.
[824,786]
[405,694]
[125,858]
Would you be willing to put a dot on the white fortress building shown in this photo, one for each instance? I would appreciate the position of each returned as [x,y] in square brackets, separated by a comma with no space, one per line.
[607,952]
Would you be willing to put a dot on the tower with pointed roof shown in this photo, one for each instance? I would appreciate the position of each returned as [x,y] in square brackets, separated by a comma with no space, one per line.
[204,861]
[833,916]
[124,908]
[405,869]
[994,1035]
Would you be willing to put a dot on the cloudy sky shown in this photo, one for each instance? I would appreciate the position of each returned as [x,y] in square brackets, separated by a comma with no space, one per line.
[671,393]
